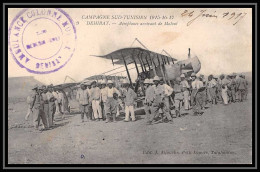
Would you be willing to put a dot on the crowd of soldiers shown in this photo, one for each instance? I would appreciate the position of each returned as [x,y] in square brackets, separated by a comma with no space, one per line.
[44,103]
[102,101]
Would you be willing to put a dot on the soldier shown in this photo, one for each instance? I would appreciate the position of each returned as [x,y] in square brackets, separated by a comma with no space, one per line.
[46,104]
[212,85]
[246,91]
[161,103]
[90,110]
[103,98]
[224,89]
[37,109]
[232,86]
[148,97]
[52,106]
[95,96]
[111,103]
[193,90]
[178,98]
[204,91]
[83,99]
[129,102]
[198,89]
[186,92]
[61,102]
[241,87]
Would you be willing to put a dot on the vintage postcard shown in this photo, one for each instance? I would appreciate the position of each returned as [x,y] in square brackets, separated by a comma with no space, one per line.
[130,85]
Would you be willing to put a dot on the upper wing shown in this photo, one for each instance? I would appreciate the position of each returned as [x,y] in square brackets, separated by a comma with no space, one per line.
[138,55]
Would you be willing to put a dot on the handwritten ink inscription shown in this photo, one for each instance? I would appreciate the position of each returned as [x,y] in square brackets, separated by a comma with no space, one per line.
[194,15]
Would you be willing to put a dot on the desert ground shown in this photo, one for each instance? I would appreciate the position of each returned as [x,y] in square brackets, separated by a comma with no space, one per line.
[222,135]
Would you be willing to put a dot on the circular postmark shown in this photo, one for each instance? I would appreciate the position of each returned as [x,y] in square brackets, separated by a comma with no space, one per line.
[42,40]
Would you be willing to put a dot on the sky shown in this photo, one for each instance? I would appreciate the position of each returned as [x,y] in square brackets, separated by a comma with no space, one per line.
[220,46]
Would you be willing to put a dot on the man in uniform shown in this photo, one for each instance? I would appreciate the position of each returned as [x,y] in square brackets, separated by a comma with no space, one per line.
[241,88]
[149,98]
[129,102]
[198,89]
[46,104]
[52,106]
[83,99]
[162,92]
[37,107]
[103,98]
[224,89]
[212,86]
[232,86]
[193,90]
[204,91]
[186,92]
[178,98]
[90,110]
[246,91]
[95,96]
[111,103]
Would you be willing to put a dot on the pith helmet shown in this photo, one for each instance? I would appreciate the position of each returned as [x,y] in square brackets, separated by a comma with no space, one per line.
[178,79]
[182,75]
[109,82]
[35,87]
[193,75]
[156,78]
[150,81]
[146,81]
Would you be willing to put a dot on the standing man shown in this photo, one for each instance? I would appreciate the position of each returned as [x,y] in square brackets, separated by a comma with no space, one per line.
[241,87]
[90,109]
[52,106]
[83,99]
[246,91]
[232,86]
[129,102]
[111,103]
[46,105]
[186,92]
[103,98]
[95,96]
[149,98]
[193,90]
[224,88]
[161,102]
[37,107]
[178,98]
[61,104]
[212,85]
[204,91]
[198,93]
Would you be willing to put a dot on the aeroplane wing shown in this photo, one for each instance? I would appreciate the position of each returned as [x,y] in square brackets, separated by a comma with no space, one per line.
[138,55]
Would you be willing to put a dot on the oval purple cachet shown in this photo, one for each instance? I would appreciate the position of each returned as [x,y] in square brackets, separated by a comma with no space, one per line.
[42,40]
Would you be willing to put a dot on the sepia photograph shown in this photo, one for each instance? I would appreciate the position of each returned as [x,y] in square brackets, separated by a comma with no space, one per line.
[130,85]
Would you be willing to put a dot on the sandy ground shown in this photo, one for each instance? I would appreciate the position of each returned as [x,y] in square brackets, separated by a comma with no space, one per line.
[222,135]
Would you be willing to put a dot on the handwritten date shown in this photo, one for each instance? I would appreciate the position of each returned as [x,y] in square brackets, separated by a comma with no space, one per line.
[232,16]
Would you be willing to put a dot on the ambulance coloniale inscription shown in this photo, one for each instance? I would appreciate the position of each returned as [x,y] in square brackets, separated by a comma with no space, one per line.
[42,40]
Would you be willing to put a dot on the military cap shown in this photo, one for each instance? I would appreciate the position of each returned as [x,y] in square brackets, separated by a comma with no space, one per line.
[109,82]
[182,75]
[156,78]
[35,87]
[193,75]
[150,81]
[93,82]
[146,81]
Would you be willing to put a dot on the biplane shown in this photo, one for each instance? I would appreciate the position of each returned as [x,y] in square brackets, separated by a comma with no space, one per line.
[149,64]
